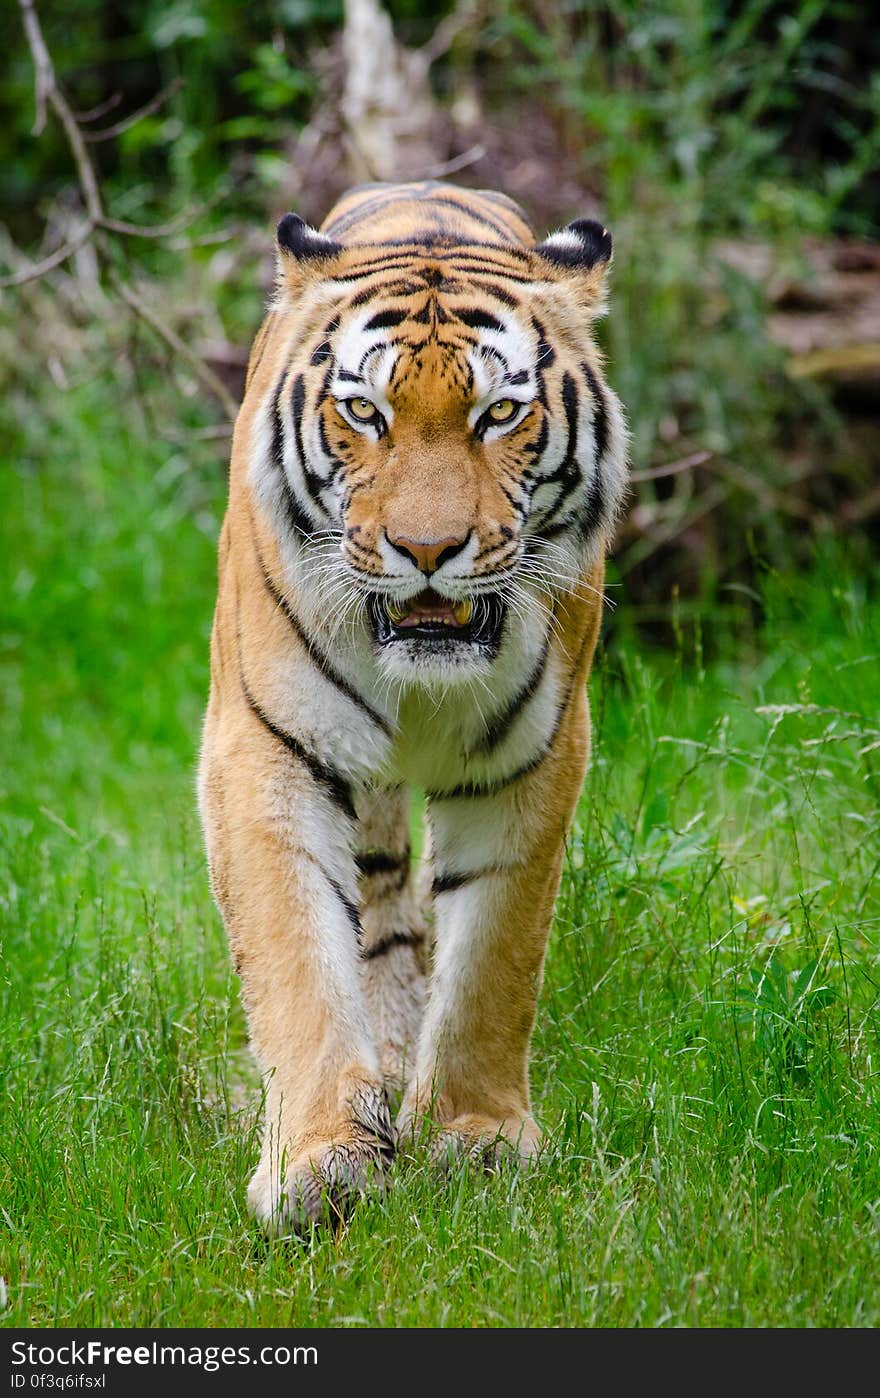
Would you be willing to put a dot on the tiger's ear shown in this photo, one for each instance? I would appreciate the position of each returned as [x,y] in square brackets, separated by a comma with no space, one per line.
[301,248]
[582,244]
[583,250]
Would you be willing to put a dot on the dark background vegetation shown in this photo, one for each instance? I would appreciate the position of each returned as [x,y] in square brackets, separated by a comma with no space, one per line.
[732,148]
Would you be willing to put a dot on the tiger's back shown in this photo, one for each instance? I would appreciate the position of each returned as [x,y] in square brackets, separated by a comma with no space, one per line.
[385,214]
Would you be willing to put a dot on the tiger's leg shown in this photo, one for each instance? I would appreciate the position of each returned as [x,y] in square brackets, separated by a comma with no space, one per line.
[497,861]
[393,931]
[283,872]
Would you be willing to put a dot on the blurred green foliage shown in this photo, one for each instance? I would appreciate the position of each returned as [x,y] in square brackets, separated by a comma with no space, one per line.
[754,114]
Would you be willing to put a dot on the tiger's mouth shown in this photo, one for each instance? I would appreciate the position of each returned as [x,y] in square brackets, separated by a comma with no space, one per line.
[437,621]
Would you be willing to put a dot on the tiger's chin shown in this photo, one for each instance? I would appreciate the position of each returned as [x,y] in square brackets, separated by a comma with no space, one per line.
[433,641]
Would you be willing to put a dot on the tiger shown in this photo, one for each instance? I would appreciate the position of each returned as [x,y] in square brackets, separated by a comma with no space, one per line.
[426,471]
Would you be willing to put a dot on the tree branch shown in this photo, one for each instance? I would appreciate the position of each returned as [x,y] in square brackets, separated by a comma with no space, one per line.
[34,270]
[146,230]
[47,90]
[174,342]
[98,223]
[95,113]
[672,468]
[108,132]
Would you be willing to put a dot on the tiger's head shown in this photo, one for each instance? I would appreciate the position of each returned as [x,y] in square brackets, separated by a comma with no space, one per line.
[442,447]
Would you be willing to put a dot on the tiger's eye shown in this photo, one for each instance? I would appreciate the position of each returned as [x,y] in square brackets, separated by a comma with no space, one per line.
[362,409]
[503,410]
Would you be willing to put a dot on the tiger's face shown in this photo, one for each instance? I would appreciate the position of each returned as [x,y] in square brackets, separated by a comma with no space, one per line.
[446,442]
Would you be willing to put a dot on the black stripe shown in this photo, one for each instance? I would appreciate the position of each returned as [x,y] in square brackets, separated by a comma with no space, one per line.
[313,482]
[428,199]
[477,275]
[299,521]
[490,352]
[389,194]
[515,504]
[477,789]
[333,782]
[423,241]
[337,464]
[381,861]
[362,210]
[431,312]
[497,226]
[570,404]
[393,939]
[372,266]
[539,445]
[492,256]
[491,549]
[391,289]
[600,415]
[546,352]
[370,350]
[496,255]
[501,725]
[568,473]
[554,530]
[314,652]
[594,512]
[383,320]
[479,320]
[451,882]
[258,349]
[351,909]
[457,259]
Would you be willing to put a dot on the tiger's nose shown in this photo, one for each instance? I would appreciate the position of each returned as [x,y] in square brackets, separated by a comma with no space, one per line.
[428,554]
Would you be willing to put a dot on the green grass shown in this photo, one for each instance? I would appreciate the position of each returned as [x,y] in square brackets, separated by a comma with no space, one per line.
[704,1064]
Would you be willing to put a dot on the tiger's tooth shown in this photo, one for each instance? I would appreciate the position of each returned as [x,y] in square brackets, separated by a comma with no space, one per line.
[463,611]
[395,612]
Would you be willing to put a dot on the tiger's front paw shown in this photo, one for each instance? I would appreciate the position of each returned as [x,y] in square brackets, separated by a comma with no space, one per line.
[318,1188]
[321,1184]
[483,1140]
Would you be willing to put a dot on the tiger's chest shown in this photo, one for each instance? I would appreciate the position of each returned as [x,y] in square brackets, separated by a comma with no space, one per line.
[481,733]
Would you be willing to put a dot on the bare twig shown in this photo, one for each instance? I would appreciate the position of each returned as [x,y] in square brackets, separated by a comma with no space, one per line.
[95,113]
[175,343]
[98,223]
[47,90]
[672,468]
[146,230]
[34,270]
[108,132]
[458,162]
[44,74]
[650,543]
[448,30]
